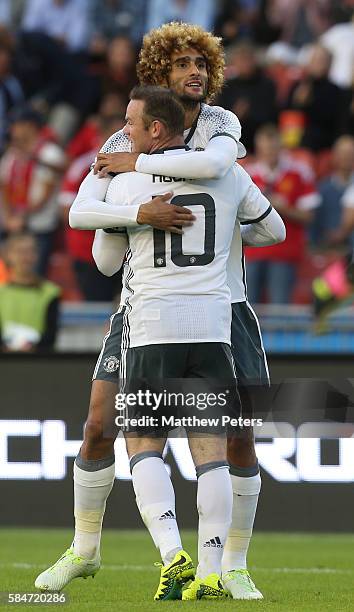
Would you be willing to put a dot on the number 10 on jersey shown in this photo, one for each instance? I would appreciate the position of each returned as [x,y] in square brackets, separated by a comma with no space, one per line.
[177,255]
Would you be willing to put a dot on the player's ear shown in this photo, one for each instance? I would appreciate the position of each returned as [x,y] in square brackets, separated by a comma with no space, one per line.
[155,128]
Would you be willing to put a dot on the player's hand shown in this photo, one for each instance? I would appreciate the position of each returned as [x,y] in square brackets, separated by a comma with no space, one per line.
[114,162]
[161,215]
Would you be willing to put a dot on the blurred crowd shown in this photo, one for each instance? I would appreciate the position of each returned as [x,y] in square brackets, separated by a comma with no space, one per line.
[66,70]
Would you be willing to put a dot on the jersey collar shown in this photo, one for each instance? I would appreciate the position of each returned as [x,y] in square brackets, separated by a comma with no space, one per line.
[167,149]
[194,127]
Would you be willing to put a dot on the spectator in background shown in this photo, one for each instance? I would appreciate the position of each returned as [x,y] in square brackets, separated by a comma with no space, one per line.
[339,40]
[345,233]
[289,186]
[88,138]
[94,286]
[300,22]
[4,272]
[281,67]
[11,93]
[236,20]
[111,18]
[56,82]
[28,304]
[29,176]
[67,21]
[328,215]
[120,74]
[319,100]
[199,12]
[248,92]
[11,12]
[5,12]
[347,123]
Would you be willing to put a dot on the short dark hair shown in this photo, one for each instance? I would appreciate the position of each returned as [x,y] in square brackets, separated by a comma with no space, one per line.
[161,104]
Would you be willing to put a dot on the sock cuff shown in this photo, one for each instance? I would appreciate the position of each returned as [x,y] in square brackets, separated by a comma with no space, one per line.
[244,472]
[207,467]
[98,478]
[94,465]
[135,459]
[246,486]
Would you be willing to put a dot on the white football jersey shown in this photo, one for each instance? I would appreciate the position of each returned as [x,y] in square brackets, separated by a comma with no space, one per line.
[212,121]
[176,286]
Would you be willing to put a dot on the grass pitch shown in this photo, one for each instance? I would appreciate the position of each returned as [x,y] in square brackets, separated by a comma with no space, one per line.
[295,572]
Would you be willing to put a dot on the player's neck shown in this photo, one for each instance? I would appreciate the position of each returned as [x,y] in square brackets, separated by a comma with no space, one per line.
[165,143]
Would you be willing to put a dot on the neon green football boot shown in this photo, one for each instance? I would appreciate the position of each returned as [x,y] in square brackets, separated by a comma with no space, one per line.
[240,585]
[174,576]
[68,567]
[205,588]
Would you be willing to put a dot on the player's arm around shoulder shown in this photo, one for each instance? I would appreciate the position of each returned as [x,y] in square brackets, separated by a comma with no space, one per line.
[212,163]
[220,130]
[261,225]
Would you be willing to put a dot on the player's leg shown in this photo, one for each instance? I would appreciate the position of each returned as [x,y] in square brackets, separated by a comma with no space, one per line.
[153,488]
[212,364]
[154,493]
[214,502]
[94,470]
[252,370]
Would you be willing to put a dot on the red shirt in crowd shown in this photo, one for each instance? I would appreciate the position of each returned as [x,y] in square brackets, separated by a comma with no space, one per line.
[79,242]
[294,182]
[87,139]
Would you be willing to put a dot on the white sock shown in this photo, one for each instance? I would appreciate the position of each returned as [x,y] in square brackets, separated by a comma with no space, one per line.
[155,498]
[91,489]
[214,501]
[245,494]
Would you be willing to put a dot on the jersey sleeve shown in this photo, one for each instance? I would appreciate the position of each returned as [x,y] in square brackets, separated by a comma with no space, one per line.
[90,211]
[213,163]
[254,206]
[117,143]
[109,250]
[216,121]
[270,230]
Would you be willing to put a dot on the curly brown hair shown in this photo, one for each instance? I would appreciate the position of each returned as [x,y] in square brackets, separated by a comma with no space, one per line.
[154,63]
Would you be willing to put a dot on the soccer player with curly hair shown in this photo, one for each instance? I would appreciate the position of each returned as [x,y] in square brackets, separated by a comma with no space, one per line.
[189,61]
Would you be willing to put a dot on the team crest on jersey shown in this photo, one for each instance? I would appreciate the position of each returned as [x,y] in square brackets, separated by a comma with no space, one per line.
[111,364]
